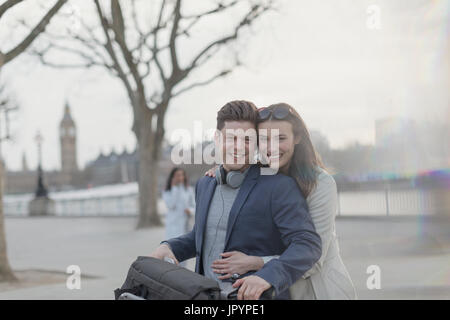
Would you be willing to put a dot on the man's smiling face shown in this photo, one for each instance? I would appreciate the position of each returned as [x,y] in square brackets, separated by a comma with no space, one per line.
[237,142]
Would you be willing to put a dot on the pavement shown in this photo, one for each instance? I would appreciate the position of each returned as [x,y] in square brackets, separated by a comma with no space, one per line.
[413,257]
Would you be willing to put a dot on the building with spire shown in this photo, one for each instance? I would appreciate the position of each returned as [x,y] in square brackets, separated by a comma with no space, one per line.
[68,143]
[68,177]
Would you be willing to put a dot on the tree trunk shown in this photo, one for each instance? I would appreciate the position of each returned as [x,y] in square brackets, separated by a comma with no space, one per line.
[6,273]
[148,188]
[148,150]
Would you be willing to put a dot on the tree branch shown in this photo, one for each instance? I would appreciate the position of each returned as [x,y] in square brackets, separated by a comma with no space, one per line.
[155,49]
[40,27]
[119,31]
[203,83]
[8,5]
[110,49]
[173,38]
[118,24]
[255,12]
[90,61]
[197,17]
[220,7]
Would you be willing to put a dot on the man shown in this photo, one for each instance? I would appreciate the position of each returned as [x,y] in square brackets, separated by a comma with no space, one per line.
[242,210]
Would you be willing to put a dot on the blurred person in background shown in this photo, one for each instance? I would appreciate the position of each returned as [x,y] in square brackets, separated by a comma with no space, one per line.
[179,199]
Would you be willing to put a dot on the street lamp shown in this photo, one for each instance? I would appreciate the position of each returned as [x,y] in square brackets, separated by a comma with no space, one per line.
[41,190]
[41,205]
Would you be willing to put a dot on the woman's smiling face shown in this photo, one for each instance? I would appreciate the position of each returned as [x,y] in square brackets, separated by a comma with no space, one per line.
[277,157]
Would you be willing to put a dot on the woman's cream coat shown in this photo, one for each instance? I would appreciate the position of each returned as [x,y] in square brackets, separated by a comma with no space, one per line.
[328,279]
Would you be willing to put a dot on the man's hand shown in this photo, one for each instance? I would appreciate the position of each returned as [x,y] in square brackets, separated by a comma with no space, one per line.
[163,251]
[251,287]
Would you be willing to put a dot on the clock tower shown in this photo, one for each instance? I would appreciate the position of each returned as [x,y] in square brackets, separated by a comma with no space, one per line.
[67,136]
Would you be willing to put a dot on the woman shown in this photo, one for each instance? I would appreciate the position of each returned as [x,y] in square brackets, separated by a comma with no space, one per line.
[296,157]
[180,202]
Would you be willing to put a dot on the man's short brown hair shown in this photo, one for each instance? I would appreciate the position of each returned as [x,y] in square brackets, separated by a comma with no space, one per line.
[239,110]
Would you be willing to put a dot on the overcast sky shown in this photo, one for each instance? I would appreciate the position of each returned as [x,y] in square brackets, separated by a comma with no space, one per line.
[319,56]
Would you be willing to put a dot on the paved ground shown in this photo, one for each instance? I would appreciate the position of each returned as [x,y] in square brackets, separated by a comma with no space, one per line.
[413,263]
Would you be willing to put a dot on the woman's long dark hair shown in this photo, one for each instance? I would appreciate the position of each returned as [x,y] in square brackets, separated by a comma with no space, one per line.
[172,173]
[305,161]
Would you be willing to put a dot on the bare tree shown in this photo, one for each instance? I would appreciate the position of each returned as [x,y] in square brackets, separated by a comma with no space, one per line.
[145,57]
[6,273]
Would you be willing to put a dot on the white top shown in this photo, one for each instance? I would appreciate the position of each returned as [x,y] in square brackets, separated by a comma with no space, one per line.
[177,199]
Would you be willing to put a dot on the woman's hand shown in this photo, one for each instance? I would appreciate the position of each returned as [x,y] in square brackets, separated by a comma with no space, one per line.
[236,262]
[211,172]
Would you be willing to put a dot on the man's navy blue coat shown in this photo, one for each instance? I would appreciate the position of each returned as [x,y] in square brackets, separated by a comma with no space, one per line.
[269,217]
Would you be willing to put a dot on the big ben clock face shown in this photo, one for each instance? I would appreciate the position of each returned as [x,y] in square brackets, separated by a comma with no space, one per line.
[72,132]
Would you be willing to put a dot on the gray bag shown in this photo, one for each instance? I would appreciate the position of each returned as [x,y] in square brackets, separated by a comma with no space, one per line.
[154,279]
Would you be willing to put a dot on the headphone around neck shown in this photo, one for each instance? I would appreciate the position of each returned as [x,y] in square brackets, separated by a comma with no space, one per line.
[232,178]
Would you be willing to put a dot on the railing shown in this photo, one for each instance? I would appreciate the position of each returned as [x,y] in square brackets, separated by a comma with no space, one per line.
[123,201]
[386,202]
[114,200]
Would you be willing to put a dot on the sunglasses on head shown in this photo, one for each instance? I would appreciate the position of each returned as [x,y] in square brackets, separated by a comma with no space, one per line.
[278,112]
